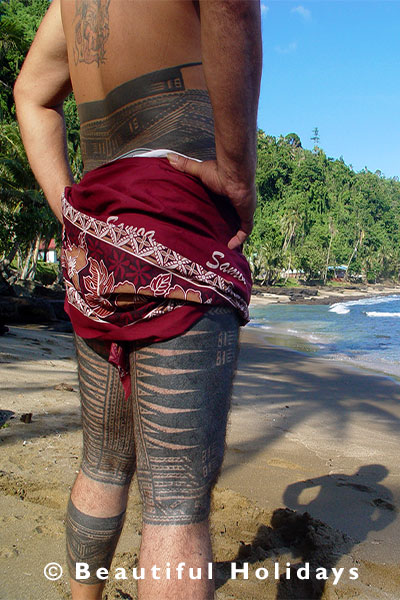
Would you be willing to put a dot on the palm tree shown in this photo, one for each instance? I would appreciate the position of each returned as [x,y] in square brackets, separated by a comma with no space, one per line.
[13,48]
[25,217]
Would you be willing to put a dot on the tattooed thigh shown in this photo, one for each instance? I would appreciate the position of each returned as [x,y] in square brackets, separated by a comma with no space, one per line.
[107,417]
[181,395]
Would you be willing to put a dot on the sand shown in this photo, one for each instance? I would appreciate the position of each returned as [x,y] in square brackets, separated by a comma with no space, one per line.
[327,294]
[311,475]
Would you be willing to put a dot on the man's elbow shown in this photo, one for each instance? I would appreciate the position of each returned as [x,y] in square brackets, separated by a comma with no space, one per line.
[20,91]
[26,101]
[18,98]
[27,94]
[17,90]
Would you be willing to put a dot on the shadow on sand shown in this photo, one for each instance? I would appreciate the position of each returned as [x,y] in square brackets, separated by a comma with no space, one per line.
[314,547]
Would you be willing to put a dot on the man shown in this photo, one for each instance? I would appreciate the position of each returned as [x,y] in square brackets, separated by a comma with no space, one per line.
[167,94]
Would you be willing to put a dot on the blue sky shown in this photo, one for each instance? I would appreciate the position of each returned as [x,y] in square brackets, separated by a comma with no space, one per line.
[334,65]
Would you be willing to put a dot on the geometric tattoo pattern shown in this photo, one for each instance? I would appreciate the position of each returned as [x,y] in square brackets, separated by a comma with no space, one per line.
[107,418]
[181,393]
[150,112]
[91,540]
[172,427]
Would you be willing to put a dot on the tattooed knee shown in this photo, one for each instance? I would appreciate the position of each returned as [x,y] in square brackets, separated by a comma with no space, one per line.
[91,540]
[183,492]
[109,469]
[182,512]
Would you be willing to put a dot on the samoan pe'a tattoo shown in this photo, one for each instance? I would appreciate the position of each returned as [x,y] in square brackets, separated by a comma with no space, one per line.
[152,111]
[171,429]
[91,31]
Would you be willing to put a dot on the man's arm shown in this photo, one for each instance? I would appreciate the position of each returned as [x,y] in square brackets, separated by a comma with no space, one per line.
[232,57]
[39,92]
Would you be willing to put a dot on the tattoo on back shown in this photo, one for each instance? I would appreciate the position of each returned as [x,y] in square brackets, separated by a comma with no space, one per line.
[151,111]
[91,31]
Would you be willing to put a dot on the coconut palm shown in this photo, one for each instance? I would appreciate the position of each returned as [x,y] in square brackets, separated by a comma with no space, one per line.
[25,218]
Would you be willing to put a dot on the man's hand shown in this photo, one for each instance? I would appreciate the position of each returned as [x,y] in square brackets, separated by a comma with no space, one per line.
[242,196]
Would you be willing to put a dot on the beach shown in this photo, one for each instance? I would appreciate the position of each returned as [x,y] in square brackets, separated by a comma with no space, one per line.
[311,476]
[320,294]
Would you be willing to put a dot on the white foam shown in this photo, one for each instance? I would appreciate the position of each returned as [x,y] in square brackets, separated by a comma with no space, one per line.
[367,301]
[372,363]
[339,308]
[316,339]
[342,308]
[374,313]
[258,325]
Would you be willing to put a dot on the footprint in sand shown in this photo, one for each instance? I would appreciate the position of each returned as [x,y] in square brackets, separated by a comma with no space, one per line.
[8,552]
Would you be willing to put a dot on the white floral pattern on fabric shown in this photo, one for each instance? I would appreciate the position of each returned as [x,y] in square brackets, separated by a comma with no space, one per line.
[135,241]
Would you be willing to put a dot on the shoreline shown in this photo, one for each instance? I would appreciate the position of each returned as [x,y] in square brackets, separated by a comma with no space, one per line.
[293,343]
[301,342]
[308,415]
[263,295]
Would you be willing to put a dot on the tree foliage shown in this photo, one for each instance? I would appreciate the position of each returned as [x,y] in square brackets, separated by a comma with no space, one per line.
[315,213]
[25,217]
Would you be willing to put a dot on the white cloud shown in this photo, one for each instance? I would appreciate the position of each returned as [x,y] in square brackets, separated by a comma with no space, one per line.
[292,47]
[264,8]
[303,12]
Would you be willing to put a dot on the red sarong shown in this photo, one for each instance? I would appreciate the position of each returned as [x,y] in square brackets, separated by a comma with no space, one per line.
[145,254]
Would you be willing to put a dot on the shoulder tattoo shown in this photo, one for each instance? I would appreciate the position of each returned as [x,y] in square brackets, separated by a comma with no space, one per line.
[91,31]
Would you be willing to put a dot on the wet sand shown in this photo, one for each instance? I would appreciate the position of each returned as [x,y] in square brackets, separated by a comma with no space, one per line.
[311,475]
[321,294]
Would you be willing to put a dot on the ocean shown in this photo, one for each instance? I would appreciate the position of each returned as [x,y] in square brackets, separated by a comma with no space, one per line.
[364,332]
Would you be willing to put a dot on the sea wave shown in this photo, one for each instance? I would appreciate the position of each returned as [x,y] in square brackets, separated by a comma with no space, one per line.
[374,313]
[343,308]
[258,325]
[373,363]
[340,309]
[356,331]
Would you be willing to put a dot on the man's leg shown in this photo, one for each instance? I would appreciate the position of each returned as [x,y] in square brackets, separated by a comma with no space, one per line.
[181,396]
[98,499]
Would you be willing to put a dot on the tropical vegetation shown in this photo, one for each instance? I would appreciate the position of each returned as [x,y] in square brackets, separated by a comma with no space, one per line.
[314,213]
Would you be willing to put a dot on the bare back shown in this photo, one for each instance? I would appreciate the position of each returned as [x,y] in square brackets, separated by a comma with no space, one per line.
[135,67]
